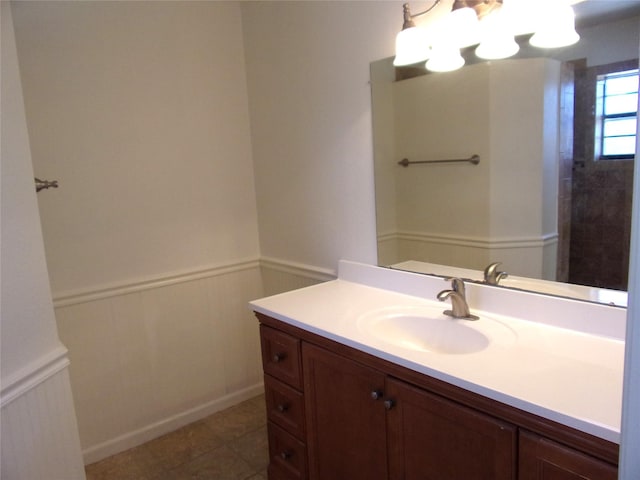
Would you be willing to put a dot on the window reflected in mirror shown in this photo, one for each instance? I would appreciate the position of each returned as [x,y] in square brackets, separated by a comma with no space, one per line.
[616,115]
[606,99]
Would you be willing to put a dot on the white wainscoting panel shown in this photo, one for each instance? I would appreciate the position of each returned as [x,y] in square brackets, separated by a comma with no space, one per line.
[150,361]
[279,276]
[388,249]
[39,434]
[150,357]
[529,257]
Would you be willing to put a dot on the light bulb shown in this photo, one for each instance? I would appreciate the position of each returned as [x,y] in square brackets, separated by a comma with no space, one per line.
[445,58]
[497,37]
[464,26]
[412,46]
[558,29]
[524,16]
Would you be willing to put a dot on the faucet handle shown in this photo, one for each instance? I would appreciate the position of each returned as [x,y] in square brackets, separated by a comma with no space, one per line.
[491,274]
[491,268]
[457,285]
[459,306]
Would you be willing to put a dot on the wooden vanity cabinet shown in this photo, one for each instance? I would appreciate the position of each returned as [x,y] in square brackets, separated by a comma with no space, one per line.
[543,459]
[356,416]
[345,417]
[364,424]
[282,365]
[433,438]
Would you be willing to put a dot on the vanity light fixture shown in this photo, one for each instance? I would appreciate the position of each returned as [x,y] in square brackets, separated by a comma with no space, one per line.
[489,24]
[412,43]
[559,29]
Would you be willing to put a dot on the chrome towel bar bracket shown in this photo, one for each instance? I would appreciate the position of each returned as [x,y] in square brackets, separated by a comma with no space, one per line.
[43,184]
[474,159]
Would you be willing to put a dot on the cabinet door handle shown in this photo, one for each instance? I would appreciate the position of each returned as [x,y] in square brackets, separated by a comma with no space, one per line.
[282,407]
[376,394]
[278,357]
[389,404]
[286,455]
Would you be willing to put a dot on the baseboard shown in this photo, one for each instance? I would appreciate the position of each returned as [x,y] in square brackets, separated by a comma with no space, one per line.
[137,437]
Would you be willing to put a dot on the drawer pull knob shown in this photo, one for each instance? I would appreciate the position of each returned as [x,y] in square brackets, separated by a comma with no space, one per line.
[282,407]
[376,394]
[278,357]
[286,455]
[389,404]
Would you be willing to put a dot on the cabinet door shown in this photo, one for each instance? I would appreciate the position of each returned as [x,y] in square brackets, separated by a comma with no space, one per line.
[346,438]
[542,459]
[431,438]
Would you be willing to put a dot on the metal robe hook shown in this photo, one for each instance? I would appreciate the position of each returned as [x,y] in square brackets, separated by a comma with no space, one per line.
[44,184]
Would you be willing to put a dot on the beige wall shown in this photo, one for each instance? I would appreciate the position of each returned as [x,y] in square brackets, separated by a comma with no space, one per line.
[38,423]
[442,117]
[140,110]
[26,299]
[307,65]
[503,209]
[308,78]
[382,87]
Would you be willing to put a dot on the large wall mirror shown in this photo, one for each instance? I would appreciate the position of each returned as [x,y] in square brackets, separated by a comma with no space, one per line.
[543,199]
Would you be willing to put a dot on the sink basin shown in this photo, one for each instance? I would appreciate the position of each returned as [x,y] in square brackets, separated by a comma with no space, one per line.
[428,329]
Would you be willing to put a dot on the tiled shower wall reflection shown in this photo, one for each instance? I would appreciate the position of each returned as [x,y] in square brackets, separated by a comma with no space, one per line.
[601,224]
[602,192]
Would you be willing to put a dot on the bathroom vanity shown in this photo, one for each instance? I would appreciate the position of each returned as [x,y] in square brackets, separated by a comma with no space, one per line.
[366,378]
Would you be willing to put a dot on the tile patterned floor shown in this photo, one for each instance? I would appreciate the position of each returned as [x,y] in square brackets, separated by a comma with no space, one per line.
[228,445]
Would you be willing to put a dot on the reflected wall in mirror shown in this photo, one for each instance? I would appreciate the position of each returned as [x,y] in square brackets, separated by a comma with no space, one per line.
[540,201]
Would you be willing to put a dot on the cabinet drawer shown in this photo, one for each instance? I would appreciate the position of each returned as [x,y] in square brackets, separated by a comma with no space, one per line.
[287,455]
[281,356]
[285,406]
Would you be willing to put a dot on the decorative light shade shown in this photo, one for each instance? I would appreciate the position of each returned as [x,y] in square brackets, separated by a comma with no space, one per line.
[525,16]
[445,58]
[489,24]
[558,30]
[463,22]
[412,46]
[497,37]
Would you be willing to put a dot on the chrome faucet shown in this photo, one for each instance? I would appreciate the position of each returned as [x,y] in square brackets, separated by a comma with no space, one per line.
[457,294]
[491,274]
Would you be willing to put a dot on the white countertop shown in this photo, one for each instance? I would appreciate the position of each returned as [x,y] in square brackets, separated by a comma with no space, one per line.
[543,367]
